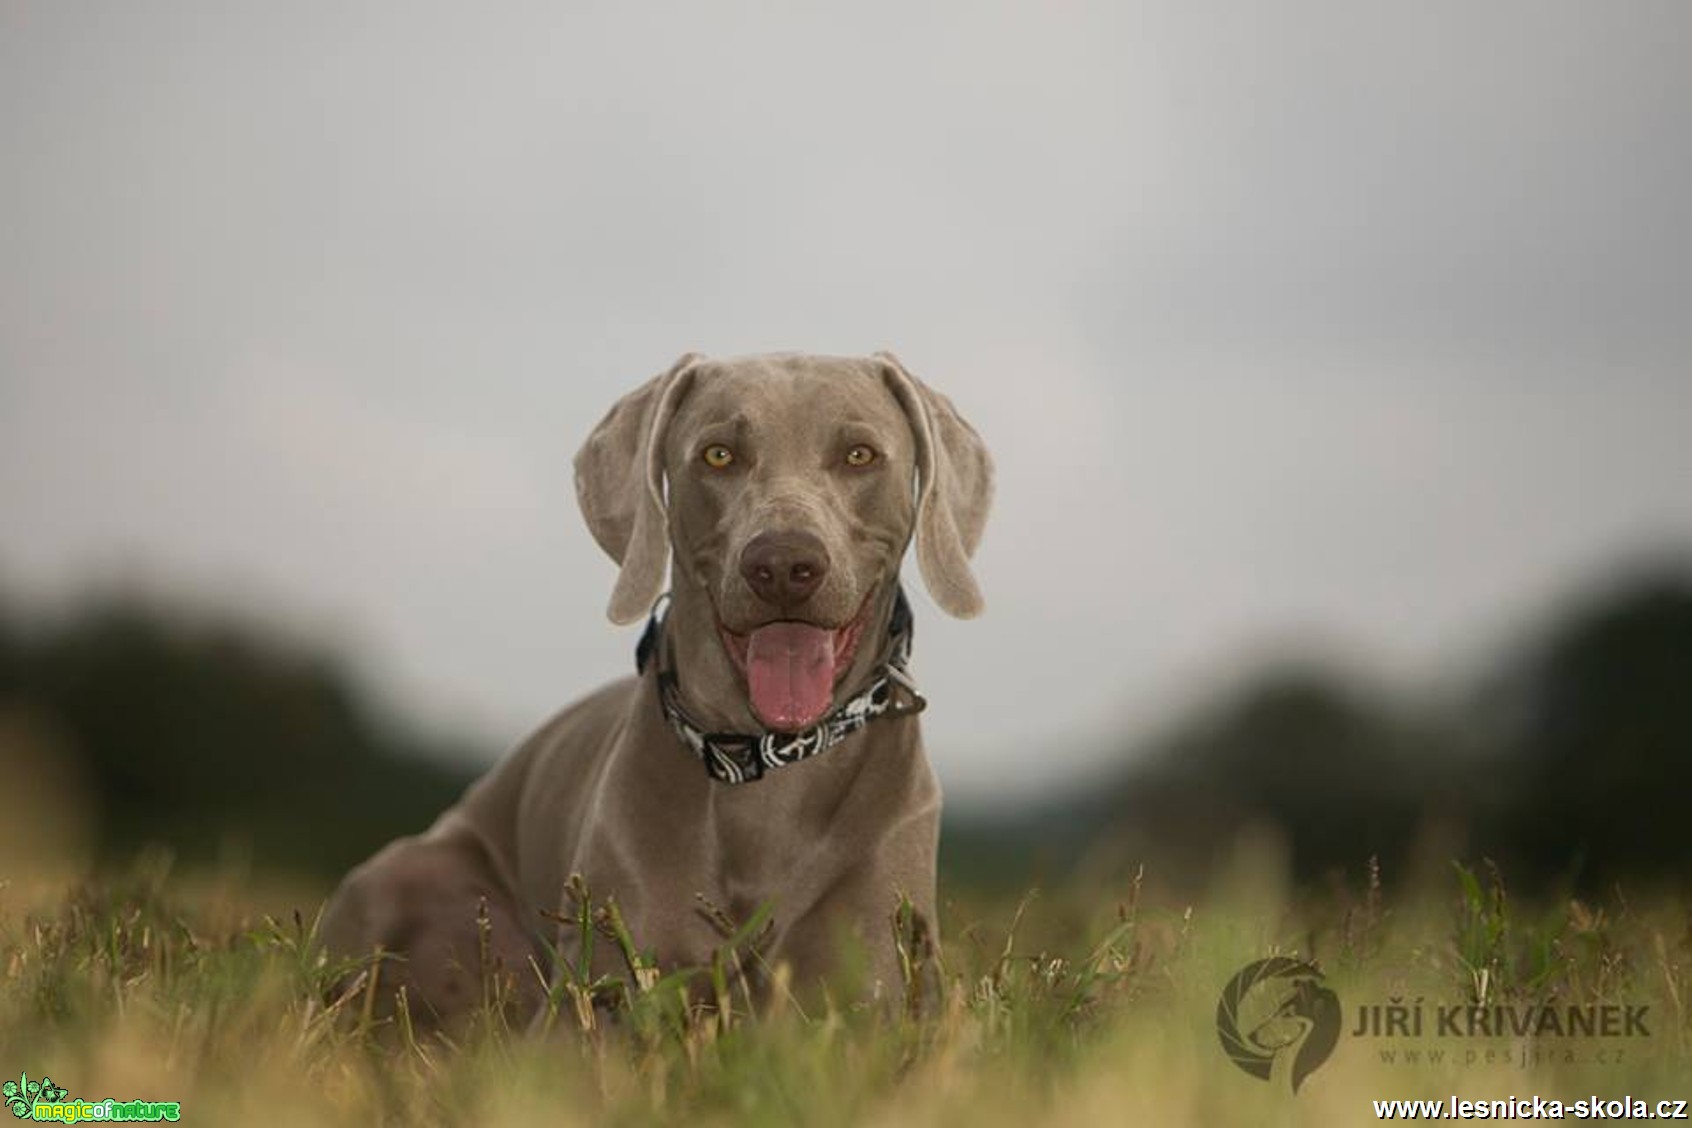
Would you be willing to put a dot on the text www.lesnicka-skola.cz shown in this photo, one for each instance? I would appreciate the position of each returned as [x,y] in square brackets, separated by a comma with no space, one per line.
[1532,1108]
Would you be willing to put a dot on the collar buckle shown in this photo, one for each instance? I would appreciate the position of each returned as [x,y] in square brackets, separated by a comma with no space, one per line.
[739,750]
[899,680]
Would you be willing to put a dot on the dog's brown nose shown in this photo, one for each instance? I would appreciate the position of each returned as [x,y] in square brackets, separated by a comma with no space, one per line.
[784,568]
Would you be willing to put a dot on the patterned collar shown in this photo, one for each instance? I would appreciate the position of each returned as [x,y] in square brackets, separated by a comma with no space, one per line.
[733,757]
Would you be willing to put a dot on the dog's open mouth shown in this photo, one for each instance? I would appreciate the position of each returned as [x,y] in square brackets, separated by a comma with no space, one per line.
[791,667]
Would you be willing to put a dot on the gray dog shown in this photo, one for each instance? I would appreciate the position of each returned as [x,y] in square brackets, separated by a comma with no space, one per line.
[767,750]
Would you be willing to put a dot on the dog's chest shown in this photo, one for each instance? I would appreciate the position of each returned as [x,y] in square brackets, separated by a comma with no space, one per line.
[780,837]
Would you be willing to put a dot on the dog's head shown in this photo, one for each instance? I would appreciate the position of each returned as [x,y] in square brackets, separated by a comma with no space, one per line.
[786,487]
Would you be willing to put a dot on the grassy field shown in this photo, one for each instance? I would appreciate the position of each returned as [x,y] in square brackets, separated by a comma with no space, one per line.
[1076,1005]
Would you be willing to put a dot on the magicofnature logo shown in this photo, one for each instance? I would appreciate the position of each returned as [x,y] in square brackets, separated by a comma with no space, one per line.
[44,1101]
[22,1094]
[1276,1010]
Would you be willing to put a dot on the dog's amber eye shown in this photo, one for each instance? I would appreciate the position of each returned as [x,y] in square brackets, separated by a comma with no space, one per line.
[717,456]
[860,455]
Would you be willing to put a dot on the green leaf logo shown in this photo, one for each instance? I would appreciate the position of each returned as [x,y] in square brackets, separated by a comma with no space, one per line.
[22,1095]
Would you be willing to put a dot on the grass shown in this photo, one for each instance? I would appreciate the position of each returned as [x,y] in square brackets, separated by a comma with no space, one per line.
[1079,1005]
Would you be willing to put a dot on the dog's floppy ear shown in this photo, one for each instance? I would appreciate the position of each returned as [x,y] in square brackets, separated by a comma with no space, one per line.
[954,490]
[620,487]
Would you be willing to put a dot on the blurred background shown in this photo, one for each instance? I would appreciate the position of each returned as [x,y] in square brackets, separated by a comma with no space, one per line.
[1337,362]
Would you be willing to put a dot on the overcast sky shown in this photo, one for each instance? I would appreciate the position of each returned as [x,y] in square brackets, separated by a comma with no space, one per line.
[1360,328]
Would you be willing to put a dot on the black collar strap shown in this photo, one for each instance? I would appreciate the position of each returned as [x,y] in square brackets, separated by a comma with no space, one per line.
[733,757]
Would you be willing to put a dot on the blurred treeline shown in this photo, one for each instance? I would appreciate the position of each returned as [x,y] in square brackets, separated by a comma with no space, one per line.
[1569,762]
[218,740]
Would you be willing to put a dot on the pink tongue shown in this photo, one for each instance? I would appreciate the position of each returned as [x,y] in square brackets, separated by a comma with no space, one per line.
[790,670]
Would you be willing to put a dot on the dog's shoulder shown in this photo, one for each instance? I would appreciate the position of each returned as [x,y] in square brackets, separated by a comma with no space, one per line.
[585,723]
[578,737]
[556,756]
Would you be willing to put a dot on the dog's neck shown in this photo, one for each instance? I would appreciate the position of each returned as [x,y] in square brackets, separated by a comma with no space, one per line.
[712,690]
